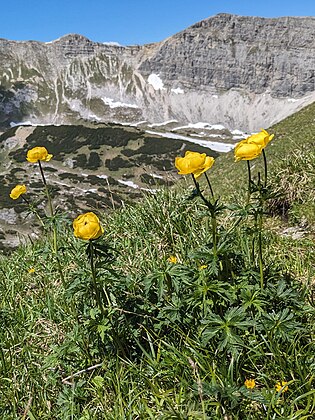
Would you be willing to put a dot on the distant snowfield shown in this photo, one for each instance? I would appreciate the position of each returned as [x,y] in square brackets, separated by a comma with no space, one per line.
[213,145]
[155,81]
[178,91]
[117,104]
[162,123]
[135,186]
[203,125]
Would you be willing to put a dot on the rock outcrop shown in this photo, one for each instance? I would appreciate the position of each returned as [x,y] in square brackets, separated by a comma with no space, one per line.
[242,72]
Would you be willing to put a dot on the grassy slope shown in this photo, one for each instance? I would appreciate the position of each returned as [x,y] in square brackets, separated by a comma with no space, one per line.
[41,320]
[291,161]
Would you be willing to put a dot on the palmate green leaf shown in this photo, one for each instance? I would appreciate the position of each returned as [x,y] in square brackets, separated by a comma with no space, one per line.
[281,324]
[252,299]
[225,329]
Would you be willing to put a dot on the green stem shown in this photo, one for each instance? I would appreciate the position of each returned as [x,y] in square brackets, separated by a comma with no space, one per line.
[52,214]
[261,270]
[46,190]
[266,169]
[249,182]
[209,184]
[33,210]
[213,216]
[93,270]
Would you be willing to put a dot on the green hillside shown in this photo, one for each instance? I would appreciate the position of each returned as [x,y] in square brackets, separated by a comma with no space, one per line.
[291,160]
[173,313]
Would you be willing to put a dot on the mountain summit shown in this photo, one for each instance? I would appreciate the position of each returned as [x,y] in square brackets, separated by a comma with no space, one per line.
[243,72]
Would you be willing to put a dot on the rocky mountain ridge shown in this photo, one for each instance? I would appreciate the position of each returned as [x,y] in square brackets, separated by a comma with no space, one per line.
[242,72]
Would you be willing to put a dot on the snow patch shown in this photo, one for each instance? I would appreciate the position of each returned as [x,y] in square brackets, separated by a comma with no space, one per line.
[130,124]
[94,117]
[155,81]
[238,134]
[178,91]
[156,176]
[128,183]
[13,124]
[27,123]
[203,125]
[292,100]
[213,145]
[162,123]
[116,104]
[209,135]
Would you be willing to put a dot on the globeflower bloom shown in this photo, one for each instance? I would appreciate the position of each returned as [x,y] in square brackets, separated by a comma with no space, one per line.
[193,163]
[250,383]
[17,191]
[87,227]
[252,146]
[38,153]
[261,139]
[280,385]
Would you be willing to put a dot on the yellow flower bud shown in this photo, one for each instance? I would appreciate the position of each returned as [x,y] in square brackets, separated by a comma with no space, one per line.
[87,226]
[280,385]
[38,153]
[17,191]
[250,383]
[193,163]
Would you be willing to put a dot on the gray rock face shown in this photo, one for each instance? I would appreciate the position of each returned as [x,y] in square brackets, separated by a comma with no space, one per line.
[255,54]
[243,72]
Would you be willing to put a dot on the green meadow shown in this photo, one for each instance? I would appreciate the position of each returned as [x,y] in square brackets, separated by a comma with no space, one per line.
[197,302]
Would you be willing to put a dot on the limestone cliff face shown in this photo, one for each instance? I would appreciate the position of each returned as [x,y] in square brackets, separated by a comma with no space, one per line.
[254,54]
[243,72]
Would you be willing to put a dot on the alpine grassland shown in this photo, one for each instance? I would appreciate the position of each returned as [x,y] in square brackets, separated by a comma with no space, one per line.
[196,302]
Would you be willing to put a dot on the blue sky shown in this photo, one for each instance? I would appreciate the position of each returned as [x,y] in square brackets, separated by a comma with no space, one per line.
[128,21]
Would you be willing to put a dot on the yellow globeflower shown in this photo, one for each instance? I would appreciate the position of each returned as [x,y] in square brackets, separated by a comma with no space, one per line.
[252,146]
[280,385]
[261,139]
[87,226]
[38,153]
[172,259]
[250,383]
[17,191]
[245,151]
[193,163]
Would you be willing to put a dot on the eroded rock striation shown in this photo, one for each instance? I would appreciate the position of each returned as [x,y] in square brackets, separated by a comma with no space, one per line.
[242,72]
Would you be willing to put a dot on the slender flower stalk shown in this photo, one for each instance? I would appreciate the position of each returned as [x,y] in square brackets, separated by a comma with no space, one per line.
[52,213]
[249,182]
[266,169]
[248,149]
[33,210]
[196,164]
[91,251]
[88,228]
[213,217]
[209,185]
[38,154]
[260,255]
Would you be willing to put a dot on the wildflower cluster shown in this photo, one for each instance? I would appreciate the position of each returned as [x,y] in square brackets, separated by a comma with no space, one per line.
[197,302]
